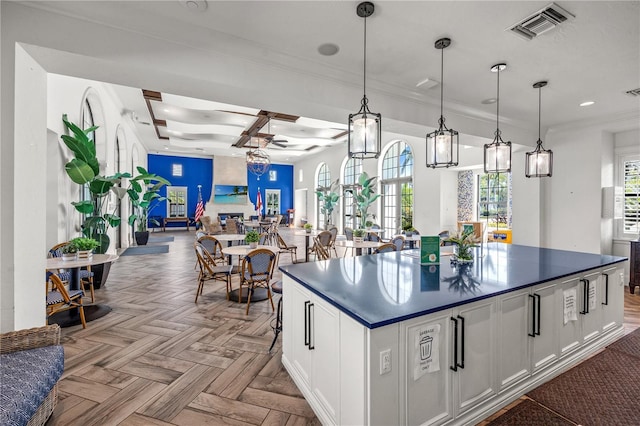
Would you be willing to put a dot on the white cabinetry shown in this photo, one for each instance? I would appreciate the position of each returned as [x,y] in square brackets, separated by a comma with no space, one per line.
[612,299]
[313,340]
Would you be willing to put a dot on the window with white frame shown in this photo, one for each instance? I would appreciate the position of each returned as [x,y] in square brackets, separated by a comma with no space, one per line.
[631,188]
[397,188]
[494,205]
[352,171]
[323,184]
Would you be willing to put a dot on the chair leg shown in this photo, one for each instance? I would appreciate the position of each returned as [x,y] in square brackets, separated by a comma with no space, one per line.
[82,318]
[278,327]
[199,289]
[273,307]
[249,294]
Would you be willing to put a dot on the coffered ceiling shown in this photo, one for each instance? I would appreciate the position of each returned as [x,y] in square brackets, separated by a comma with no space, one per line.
[239,69]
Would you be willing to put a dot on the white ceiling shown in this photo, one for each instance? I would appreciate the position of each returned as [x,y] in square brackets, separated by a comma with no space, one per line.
[595,56]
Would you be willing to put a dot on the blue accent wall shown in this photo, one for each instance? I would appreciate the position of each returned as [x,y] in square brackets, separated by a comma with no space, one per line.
[195,171]
[283,182]
[199,171]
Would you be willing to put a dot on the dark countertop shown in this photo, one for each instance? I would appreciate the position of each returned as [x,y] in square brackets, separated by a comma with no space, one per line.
[383,289]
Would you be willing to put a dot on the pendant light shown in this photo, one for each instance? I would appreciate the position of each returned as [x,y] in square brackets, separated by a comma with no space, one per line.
[497,154]
[365,127]
[442,144]
[539,162]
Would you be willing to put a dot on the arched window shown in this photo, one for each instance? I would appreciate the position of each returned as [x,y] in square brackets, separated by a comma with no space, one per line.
[397,188]
[87,122]
[351,171]
[323,183]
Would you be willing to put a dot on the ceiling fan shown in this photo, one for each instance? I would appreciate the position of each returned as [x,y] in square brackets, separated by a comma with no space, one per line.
[134,116]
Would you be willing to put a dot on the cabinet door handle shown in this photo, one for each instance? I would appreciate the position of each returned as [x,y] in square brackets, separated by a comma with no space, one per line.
[454,367]
[306,323]
[533,314]
[585,297]
[538,309]
[606,289]
[312,346]
[461,365]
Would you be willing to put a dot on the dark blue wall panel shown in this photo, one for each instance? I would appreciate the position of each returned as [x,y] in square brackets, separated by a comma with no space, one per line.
[195,171]
[283,181]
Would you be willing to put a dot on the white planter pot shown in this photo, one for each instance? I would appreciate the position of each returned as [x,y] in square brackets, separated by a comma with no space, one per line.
[85,254]
[69,256]
[253,245]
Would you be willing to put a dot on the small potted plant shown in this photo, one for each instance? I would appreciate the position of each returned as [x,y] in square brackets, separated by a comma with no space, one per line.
[69,251]
[252,237]
[308,227]
[409,231]
[463,243]
[85,246]
[358,235]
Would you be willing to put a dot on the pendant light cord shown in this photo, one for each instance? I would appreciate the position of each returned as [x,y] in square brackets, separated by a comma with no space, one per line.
[364,72]
[441,85]
[498,107]
[539,116]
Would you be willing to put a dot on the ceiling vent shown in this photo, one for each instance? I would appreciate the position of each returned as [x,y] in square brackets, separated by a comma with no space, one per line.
[634,92]
[540,22]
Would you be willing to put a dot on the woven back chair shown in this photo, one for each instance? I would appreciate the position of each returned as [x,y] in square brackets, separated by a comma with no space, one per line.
[384,248]
[214,247]
[232,226]
[321,250]
[286,248]
[373,236]
[348,232]
[332,243]
[398,241]
[59,299]
[257,271]
[211,270]
[322,239]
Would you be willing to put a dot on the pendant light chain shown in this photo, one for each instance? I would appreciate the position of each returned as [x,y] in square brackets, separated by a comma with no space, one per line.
[441,86]
[539,115]
[498,107]
[364,65]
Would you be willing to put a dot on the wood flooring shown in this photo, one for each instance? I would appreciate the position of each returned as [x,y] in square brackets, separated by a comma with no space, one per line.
[160,359]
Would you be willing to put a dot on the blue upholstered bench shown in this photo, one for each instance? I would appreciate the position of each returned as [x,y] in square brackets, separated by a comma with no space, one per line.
[31,363]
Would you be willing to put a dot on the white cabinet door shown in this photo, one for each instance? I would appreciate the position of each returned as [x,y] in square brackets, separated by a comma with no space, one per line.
[590,307]
[476,378]
[568,321]
[516,330]
[325,344]
[428,362]
[297,301]
[544,348]
[612,299]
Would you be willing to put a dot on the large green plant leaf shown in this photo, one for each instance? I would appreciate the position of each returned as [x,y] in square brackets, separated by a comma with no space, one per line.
[85,207]
[79,171]
[100,186]
[113,220]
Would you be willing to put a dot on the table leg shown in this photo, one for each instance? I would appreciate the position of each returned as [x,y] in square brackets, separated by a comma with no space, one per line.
[306,248]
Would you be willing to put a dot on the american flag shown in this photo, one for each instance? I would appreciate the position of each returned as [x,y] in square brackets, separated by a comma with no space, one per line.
[199,206]
[259,203]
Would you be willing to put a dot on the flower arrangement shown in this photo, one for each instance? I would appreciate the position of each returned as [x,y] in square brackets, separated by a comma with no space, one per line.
[252,237]
[464,242]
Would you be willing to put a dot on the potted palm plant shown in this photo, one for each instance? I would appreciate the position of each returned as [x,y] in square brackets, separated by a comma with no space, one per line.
[364,196]
[144,193]
[329,199]
[252,237]
[463,243]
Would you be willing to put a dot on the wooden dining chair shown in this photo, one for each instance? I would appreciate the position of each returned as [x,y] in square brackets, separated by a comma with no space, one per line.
[286,248]
[384,248]
[86,276]
[214,247]
[332,242]
[231,226]
[321,250]
[398,241]
[257,271]
[211,270]
[60,299]
[323,239]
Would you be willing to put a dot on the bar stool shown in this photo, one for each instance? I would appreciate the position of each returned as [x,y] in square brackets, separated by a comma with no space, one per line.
[276,287]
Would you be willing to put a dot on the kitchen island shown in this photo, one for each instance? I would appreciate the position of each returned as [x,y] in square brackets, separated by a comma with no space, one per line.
[382,339]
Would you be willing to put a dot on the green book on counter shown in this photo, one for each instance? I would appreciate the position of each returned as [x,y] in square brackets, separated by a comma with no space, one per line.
[430,250]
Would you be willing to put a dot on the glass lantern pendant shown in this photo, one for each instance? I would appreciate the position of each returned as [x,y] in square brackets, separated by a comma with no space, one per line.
[442,144]
[365,127]
[539,162]
[497,154]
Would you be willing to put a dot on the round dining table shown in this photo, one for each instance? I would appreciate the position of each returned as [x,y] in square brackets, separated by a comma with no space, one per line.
[91,311]
[307,235]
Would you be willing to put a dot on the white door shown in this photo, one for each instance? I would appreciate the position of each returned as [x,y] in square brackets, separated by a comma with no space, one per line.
[477,351]
[516,331]
[545,343]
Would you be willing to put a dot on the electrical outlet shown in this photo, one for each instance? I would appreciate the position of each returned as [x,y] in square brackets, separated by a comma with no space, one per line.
[385,361]
[621,278]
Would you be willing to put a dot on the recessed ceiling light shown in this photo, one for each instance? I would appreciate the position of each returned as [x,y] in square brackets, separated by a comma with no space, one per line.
[199,149]
[489,101]
[328,49]
[587,103]
[166,147]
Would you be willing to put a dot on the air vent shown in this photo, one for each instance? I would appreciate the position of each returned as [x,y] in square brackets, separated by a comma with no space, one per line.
[634,92]
[540,22]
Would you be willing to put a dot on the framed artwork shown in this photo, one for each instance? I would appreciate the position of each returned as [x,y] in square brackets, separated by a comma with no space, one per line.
[273,201]
[231,194]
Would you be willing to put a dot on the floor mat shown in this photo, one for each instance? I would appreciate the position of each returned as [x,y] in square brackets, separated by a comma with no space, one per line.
[528,413]
[153,249]
[629,344]
[602,390]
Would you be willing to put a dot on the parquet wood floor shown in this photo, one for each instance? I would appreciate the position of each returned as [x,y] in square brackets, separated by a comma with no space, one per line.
[160,359]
